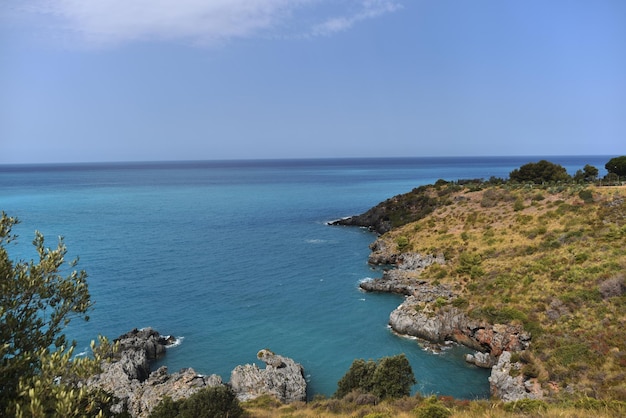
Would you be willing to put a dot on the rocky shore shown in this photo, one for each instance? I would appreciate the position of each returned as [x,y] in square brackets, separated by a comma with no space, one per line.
[128,377]
[428,313]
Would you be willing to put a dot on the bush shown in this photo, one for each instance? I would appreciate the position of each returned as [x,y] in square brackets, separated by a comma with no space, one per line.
[213,402]
[402,242]
[586,196]
[390,377]
[432,410]
[526,406]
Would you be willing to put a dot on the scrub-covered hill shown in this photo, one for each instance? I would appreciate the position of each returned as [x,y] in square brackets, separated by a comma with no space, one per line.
[549,258]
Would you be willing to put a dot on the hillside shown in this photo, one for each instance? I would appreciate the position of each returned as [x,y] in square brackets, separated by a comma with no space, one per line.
[549,258]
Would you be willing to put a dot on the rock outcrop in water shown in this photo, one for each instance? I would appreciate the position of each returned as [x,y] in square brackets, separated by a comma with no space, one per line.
[282,378]
[127,376]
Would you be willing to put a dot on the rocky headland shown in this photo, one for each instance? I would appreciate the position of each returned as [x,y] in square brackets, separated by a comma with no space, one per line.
[428,313]
[127,375]
[530,276]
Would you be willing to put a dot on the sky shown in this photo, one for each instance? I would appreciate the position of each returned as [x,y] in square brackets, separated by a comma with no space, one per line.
[155,80]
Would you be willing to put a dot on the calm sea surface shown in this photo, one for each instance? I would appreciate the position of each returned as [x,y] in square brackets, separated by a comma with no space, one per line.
[236,256]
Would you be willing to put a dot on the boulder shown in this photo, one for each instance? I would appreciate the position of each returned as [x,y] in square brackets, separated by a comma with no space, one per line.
[145,339]
[484,360]
[282,378]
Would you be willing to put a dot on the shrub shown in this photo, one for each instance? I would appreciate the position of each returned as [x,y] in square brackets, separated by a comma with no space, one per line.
[469,263]
[460,303]
[213,402]
[526,406]
[614,286]
[402,242]
[432,410]
[586,196]
[390,377]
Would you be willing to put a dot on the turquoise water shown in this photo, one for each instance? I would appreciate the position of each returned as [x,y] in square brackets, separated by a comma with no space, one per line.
[235,256]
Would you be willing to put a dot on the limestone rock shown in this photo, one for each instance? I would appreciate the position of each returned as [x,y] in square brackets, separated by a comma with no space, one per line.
[511,388]
[177,386]
[146,339]
[128,377]
[417,318]
[484,360]
[282,378]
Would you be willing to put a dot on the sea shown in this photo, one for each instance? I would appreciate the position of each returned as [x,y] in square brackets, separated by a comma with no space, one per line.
[231,257]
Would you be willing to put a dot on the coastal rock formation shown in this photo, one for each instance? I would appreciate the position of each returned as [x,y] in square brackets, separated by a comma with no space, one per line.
[282,378]
[511,386]
[127,376]
[418,318]
[426,313]
[137,348]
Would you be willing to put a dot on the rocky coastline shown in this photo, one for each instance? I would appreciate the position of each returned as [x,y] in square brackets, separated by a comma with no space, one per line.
[127,375]
[428,313]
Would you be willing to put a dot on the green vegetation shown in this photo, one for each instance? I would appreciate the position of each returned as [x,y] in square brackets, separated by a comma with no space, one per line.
[549,257]
[542,251]
[358,405]
[539,173]
[389,377]
[617,166]
[213,402]
[36,302]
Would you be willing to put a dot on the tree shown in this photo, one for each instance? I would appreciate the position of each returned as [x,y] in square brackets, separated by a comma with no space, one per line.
[588,173]
[393,377]
[390,377]
[617,166]
[540,172]
[36,302]
[358,377]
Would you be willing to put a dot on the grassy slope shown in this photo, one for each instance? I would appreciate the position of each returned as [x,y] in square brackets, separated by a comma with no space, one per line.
[545,257]
[550,258]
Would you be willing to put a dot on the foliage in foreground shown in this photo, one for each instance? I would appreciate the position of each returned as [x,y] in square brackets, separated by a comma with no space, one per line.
[389,377]
[39,377]
[212,402]
[434,407]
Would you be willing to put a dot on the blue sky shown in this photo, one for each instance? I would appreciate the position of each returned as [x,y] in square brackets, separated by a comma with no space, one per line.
[121,80]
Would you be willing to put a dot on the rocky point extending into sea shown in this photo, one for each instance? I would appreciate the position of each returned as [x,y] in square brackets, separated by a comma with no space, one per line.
[128,377]
[415,317]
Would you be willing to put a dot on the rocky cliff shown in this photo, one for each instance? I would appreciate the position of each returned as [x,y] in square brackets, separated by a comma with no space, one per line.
[428,313]
[282,378]
[127,376]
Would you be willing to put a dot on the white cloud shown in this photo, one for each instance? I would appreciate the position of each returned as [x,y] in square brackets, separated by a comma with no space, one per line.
[369,9]
[203,21]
